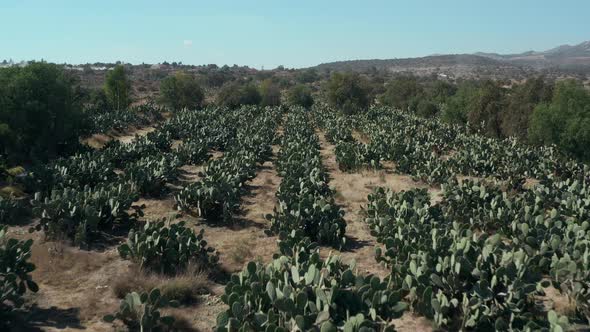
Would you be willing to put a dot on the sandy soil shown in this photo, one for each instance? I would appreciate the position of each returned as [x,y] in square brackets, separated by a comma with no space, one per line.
[352,190]
[97,141]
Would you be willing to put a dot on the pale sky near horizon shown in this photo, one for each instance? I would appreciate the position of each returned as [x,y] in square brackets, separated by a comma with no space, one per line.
[290,33]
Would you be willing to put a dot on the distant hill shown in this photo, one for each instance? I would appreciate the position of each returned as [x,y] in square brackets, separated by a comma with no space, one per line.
[562,60]
[564,56]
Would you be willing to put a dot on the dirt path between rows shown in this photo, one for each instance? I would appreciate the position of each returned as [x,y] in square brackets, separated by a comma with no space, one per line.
[351,194]
[239,243]
[98,141]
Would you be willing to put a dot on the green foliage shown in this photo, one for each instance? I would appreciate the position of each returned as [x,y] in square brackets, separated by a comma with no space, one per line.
[142,311]
[521,103]
[402,93]
[565,121]
[307,76]
[300,291]
[270,93]
[348,92]
[12,210]
[235,94]
[39,115]
[300,95]
[486,107]
[457,108]
[118,88]
[15,278]
[168,249]
[181,90]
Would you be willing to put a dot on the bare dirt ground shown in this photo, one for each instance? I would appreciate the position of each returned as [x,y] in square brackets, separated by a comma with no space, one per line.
[352,190]
[97,141]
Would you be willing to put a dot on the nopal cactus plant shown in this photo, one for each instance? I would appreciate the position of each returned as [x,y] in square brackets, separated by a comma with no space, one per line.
[168,249]
[300,291]
[142,312]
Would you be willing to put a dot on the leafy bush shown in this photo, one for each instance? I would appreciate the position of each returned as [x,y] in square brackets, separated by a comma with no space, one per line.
[235,94]
[12,210]
[348,93]
[565,121]
[181,90]
[300,95]
[39,116]
[118,88]
[167,249]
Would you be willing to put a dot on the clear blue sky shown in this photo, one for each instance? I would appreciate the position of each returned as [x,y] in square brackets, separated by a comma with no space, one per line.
[291,33]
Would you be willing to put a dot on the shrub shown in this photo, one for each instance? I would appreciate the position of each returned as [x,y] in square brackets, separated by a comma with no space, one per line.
[348,92]
[234,94]
[181,90]
[39,115]
[270,93]
[300,95]
[118,88]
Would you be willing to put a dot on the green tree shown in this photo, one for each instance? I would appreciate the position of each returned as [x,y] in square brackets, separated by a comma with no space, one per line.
[485,109]
[307,76]
[520,105]
[348,92]
[402,93]
[300,95]
[181,90]
[234,94]
[457,106]
[270,93]
[565,121]
[118,88]
[40,115]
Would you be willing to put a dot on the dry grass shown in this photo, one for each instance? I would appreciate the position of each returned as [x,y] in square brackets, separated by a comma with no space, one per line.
[185,287]
[241,252]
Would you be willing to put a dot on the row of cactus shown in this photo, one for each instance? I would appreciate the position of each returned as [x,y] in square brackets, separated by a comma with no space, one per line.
[79,197]
[351,155]
[78,215]
[151,174]
[103,121]
[456,274]
[305,201]
[434,152]
[15,275]
[216,196]
[168,249]
[299,291]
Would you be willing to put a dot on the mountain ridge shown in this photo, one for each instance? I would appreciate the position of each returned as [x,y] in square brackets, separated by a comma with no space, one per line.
[561,60]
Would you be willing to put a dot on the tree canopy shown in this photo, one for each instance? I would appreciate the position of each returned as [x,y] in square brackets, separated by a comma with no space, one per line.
[181,90]
[348,92]
[300,95]
[118,88]
[565,120]
[234,94]
[270,93]
[40,116]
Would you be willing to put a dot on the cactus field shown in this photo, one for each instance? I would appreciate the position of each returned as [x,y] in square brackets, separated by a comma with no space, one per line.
[296,219]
